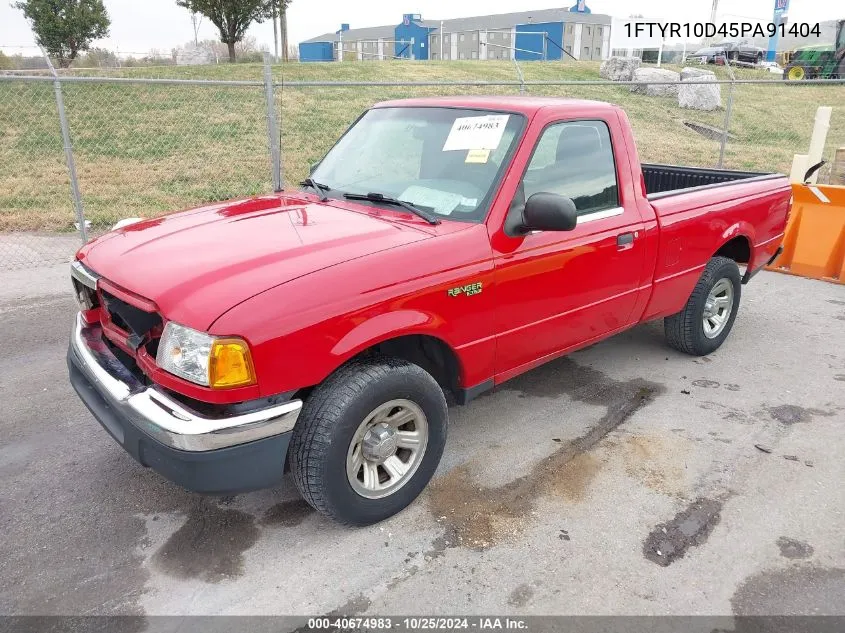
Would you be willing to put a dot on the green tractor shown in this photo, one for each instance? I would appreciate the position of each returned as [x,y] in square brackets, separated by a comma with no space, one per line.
[819,62]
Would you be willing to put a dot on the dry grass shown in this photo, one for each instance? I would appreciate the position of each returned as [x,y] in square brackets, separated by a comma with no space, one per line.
[150,149]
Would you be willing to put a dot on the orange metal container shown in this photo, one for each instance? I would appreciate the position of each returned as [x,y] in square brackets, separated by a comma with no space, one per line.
[814,243]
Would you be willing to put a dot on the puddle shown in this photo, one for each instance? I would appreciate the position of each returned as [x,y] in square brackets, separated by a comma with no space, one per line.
[209,546]
[476,517]
[793,548]
[520,596]
[799,590]
[690,528]
[789,414]
[287,514]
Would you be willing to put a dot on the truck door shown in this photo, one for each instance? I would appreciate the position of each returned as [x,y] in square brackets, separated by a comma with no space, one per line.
[557,290]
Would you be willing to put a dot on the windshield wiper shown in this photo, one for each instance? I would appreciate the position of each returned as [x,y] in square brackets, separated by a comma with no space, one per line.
[319,187]
[380,197]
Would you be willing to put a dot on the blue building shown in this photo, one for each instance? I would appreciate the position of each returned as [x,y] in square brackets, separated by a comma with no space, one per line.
[546,34]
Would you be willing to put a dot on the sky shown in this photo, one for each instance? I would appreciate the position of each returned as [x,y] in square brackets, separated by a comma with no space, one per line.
[137,26]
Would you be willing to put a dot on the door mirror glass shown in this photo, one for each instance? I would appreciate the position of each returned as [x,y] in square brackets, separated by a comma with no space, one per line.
[549,212]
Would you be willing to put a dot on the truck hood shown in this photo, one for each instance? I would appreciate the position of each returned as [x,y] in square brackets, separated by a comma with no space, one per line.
[197,264]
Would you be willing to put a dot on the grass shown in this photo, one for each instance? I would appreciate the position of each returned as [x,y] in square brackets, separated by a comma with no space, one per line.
[144,150]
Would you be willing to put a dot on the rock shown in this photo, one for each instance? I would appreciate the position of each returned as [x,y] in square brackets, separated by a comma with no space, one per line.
[698,96]
[194,56]
[688,72]
[645,75]
[619,68]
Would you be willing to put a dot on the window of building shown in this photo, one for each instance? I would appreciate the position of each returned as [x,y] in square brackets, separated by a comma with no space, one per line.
[598,53]
[598,31]
[568,48]
[475,54]
[462,56]
[461,37]
[586,52]
[445,55]
[569,29]
[575,159]
[589,30]
[474,36]
[493,35]
[445,39]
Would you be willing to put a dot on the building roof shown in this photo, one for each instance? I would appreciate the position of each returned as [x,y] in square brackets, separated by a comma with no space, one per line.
[476,23]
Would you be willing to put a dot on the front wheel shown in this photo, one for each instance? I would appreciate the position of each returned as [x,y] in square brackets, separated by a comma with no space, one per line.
[369,439]
[708,316]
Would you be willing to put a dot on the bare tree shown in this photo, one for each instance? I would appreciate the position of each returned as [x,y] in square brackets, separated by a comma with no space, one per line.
[231,17]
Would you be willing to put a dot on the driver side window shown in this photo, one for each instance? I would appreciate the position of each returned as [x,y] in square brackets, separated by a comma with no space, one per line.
[575,159]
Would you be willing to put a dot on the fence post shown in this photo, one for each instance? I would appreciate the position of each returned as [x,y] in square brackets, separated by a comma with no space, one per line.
[726,125]
[71,165]
[272,128]
[521,77]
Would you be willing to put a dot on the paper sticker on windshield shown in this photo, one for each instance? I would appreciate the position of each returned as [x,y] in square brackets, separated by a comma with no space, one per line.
[476,132]
[477,156]
[442,202]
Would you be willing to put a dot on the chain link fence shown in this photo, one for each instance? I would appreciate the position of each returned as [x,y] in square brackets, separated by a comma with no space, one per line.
[146,147]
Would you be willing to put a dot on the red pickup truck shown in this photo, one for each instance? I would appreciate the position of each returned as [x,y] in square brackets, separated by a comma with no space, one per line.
[441,247]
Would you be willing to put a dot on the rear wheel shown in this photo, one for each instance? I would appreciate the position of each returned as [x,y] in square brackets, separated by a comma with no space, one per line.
[708,316]
[369,439]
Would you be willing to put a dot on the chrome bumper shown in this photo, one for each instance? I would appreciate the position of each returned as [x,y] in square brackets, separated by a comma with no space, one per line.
[160,416]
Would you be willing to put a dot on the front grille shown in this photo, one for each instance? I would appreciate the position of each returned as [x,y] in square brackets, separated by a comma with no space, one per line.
[136,322]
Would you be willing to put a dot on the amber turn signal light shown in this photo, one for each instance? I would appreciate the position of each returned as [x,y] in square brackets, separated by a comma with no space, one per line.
[230,364]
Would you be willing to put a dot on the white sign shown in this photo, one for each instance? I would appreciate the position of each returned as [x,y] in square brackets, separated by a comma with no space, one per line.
[442,202]
[476,132]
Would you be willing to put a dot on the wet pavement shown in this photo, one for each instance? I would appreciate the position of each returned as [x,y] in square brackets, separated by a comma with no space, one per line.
[624,479]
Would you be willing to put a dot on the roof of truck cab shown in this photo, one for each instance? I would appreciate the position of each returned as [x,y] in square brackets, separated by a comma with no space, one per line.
[523,105]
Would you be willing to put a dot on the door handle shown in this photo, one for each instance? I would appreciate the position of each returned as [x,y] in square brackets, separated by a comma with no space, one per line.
[625,241]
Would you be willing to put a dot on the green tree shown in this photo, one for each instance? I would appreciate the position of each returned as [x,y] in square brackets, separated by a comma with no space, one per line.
[231,17]
[5,62]
[66,27]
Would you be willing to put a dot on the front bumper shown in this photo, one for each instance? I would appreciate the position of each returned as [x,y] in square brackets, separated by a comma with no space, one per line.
[205,454]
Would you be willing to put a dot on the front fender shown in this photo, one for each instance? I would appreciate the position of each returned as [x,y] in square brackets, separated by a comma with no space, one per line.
[387,326]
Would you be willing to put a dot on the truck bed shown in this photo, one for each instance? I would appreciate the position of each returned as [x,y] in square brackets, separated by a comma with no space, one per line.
[666,180]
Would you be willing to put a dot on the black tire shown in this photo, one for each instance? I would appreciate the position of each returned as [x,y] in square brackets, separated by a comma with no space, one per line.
[685,330]
[330,417]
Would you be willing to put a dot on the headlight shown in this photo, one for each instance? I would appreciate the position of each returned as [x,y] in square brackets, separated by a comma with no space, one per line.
[204,359]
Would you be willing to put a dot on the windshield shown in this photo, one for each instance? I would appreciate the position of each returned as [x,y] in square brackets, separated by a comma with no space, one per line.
[443,160]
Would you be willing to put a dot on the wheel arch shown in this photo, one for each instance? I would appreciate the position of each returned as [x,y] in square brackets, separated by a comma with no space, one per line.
[738,248]
[409,335]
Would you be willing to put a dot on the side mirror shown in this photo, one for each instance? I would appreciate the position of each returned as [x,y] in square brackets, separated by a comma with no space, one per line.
[549,212]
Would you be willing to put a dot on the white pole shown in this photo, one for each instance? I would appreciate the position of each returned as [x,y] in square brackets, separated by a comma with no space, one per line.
[660,54]
[441,40]
[817,140]
[340,46]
